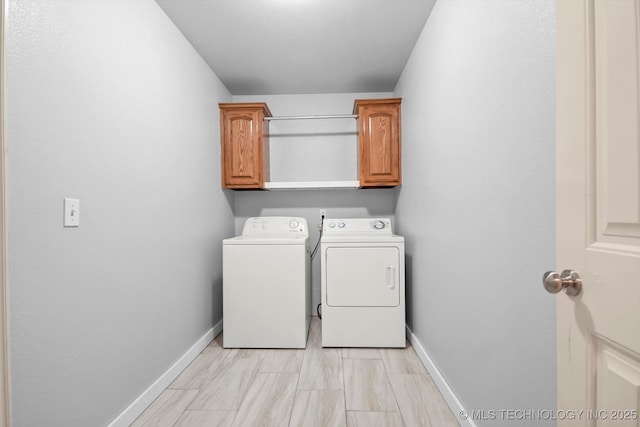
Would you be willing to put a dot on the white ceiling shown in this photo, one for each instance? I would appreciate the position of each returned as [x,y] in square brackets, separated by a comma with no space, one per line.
[259,47]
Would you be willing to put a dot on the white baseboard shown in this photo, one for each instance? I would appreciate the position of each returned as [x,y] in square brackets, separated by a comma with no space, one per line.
[136,408]
[449,397]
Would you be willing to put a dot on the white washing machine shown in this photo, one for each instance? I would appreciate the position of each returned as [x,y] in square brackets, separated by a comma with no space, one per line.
[363,293]
[266,284]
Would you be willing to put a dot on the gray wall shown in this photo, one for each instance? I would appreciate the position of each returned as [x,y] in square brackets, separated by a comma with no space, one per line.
[478,200]
[108,103]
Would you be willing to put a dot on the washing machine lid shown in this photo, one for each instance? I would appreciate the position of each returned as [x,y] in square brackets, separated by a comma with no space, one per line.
[267,239]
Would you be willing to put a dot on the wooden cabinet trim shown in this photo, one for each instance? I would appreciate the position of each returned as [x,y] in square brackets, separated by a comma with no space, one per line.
[237,106]
[377,101]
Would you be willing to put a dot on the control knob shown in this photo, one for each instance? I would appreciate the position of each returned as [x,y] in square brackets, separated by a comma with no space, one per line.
[378,225]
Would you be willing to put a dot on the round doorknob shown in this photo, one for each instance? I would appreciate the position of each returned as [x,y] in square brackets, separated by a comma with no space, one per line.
[569,281]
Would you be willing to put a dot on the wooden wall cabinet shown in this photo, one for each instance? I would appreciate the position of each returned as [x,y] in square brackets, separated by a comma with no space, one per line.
[245,144]
[244,136]
[379,140]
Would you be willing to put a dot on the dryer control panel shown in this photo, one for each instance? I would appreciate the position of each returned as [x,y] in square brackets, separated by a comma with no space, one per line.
[378,226]
[275,225]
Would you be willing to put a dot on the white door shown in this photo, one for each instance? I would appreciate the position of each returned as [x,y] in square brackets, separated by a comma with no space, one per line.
[598,203]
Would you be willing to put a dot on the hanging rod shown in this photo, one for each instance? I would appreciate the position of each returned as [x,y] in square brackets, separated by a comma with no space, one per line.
[335,116]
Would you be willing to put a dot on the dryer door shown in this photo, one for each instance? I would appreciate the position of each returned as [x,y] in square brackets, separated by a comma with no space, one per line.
[362,276]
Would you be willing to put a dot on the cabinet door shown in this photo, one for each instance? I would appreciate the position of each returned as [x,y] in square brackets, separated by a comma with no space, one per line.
[379,141]
[243,147]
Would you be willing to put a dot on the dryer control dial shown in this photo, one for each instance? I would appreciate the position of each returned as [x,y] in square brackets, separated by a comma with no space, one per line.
[341,224]
[378,225]
[294,223]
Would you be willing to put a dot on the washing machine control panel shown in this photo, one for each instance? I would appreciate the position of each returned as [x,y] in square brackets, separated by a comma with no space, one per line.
[275,225]
[357,225]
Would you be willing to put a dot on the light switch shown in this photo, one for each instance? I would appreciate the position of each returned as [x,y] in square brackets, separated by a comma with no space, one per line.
[71,212]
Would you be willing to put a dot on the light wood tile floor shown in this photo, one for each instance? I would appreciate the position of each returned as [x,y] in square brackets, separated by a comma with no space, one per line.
[313,387]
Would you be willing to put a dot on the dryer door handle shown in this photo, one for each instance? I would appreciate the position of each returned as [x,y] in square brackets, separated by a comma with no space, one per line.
[391,277]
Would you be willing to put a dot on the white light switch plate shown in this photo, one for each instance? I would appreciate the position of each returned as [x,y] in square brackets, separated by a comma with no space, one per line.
[71,212]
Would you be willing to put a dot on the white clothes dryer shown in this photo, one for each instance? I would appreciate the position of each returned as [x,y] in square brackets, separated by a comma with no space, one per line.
[362,284]
[266,284]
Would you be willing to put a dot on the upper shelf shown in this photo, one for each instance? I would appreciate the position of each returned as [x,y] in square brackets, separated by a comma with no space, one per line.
[311,185]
